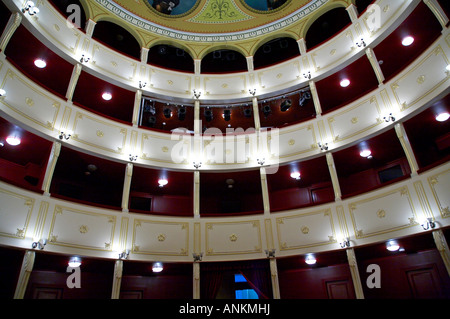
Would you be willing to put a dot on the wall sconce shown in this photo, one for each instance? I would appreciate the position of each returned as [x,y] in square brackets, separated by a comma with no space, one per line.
[65,136]
[310,259]
[361,44]
[84,59]
[270,253]
[261,161]
[133,157]
[39,244]
[197,94]
[345,242]
[30,8]
[2,92]
[323,147]
[307,75]
[252,91]
[197,257]
[124,254]
[428,223]
[74,262]
[197,164]
[388,118]
[142,84]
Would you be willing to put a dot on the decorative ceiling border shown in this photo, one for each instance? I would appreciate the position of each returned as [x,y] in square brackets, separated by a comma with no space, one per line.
[200,37]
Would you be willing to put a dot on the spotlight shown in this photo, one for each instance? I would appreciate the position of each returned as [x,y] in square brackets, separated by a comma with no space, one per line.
[162,182]
[124,254]
[388,118]
[323,147]
[142,84]
[182,113]
[270,253]
[197,94]
[167,113]
[74,262]
[407,41]
[63,135]
[310,259]
[361,44]
[197,164]
[252,91]
[345,242]
[266,110]
[106,96]
[366,154]
[442,117]
[157,267]
[132,157]
[227,114]
[392,245]
[285,105]
[13,140]
[248,113]
[40,63]
[83,59]
[345,82]
[208,115]
[295,175]
[197,257]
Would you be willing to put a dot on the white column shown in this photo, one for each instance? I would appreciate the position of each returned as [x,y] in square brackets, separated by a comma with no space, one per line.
[315,96]
[196,281]
[197,128]
[90,25]
[351,257]
[196,194]
[375,65]
[51,164]
[334,177]
[25,272]
[197,66]
[265,190]
[404,141]
[438,12]
[117,279]
[136,108]
[250,65]
[302,46]
[274,277]
[144,54]
[442,247]
[352,12]
[256,113]
[126,187]
[11,27]
[73,81]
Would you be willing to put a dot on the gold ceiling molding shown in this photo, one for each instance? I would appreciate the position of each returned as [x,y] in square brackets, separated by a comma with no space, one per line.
[245,30]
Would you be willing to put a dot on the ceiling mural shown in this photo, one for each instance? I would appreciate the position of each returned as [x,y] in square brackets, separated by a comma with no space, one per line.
[220,11]
[265,5]
[172,7]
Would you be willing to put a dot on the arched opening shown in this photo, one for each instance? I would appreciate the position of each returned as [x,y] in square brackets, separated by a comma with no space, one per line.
[117,38]
[275,51]
[170,57]
[224,61]
[326,26]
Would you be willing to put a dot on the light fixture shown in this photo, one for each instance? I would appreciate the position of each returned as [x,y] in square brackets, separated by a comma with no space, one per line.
[345,242]
[407,41]
[30,8]
[323,147]
[107,96]
[124,254]
[344,83]
[428,223]
[157,267]
[39,244]
[361,44]
[366,153]
[83,59]
[295,175]
[197,94]
[392,245]
[40,63]
[13,140]
[388,118]
[307,75]
[63,135]
[261,161]
[132,157]
[442,117]
[197,164]
[74,262]
[252,91]
[2,92]
[162,182]
[270,253]
[197,257]
[310,259]
[142,84]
